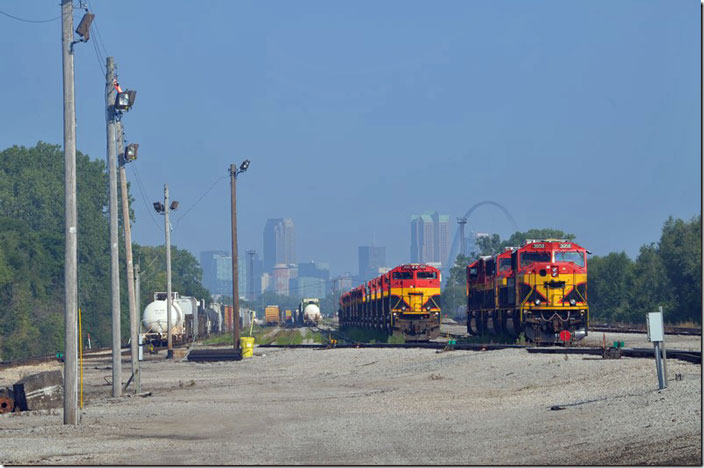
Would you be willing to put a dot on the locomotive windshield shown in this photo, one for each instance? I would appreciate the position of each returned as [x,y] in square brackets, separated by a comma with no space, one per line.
[403,275]
[426,275]
[505,264]
[574,257]
[529,258]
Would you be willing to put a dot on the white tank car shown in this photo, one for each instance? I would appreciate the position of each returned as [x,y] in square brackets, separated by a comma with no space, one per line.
[311,314]
[154,319]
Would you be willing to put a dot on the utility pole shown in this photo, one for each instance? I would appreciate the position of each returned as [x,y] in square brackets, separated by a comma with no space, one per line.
[71,227]
[137,288]
[114,250]
[167,230]
[134,321]
[463,248]
[235,269]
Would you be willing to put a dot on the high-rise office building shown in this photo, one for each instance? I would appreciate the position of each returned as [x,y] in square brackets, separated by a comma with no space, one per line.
[279,243]
[370,260]
[217,271]
[313,280]
[430,238]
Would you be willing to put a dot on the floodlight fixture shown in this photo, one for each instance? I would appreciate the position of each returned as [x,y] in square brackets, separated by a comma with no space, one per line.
[125,100]
[158,207]
[131,152]
[244,165]
[174,205]
[83,28]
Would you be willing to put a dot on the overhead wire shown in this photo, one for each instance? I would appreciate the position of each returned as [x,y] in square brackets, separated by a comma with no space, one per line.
[140,186]
[28,20]
[178,221]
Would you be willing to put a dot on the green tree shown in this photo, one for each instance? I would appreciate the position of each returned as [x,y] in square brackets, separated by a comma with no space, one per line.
[609,283]
[680,250]
[454,294]
[186,273]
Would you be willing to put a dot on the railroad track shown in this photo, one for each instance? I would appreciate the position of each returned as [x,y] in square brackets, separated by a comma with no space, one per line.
[87,354]
[683,355]
[605,327]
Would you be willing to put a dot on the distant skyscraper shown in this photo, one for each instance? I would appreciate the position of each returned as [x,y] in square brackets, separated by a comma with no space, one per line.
[441,225]
[217,271]
[430,238]
[312,281]
[279,242]
[370,260]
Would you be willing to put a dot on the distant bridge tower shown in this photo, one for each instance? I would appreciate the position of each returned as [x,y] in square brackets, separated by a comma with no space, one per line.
[462,221]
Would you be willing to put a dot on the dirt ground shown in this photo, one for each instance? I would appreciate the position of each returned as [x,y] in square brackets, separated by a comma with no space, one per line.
[373,406]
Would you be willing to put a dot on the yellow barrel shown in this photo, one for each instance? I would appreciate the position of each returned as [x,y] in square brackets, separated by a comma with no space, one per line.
[247,343]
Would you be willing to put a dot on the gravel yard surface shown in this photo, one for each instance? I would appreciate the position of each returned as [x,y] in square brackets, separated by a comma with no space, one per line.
[374,406]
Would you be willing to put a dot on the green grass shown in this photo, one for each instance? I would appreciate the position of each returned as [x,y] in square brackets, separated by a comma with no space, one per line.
[287,337]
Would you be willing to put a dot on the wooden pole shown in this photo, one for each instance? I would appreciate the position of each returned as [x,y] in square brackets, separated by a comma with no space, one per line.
[235,269]
[114,250]
[134,320]
[167,233]
[71,224]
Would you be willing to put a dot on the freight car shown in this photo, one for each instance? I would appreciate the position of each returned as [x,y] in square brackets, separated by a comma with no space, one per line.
[155,321]
[272,316]
[308,313]
[539,289]
[404,301]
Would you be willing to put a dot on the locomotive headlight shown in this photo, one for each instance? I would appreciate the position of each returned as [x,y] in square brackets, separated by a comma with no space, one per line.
[572,302]
[403,308]
[427,308]
[537,302]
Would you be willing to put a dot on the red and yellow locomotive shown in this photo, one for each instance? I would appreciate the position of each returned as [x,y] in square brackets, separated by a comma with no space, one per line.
[539,289]
[404,301]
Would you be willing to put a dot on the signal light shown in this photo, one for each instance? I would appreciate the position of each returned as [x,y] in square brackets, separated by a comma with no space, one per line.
[125,100]
[131,152]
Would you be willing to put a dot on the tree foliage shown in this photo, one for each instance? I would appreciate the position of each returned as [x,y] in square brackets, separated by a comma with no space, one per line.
[32,253]
[666,274]
[454,294]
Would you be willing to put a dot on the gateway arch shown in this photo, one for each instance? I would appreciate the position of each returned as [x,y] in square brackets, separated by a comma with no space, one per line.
[455,240]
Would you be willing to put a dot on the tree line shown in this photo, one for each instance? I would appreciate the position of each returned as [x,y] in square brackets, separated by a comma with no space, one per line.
[666,273]
[32,254]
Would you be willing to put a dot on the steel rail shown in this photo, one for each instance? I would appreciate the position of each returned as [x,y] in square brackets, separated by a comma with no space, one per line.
[683,355]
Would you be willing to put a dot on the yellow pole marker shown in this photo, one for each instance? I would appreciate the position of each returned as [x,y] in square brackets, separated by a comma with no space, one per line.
[80,347]
[251,323]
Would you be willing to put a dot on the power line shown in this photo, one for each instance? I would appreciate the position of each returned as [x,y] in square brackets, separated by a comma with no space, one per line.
[178,221]
[27,20]
[144,197]
[97,31]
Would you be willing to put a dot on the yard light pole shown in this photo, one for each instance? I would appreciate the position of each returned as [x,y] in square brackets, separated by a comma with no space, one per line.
[164,209]
[234,171]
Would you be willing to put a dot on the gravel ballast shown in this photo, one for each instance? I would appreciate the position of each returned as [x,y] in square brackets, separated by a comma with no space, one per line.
[375,406]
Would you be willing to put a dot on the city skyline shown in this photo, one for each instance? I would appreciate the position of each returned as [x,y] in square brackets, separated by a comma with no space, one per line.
[352,144]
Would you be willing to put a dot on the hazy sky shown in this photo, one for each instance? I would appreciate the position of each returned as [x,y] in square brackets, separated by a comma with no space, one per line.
[580,116]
